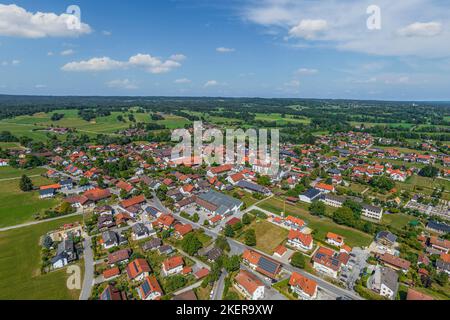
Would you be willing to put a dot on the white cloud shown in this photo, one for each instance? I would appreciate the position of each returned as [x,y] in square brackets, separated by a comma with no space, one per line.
[50,53]
[153,64]
[225,50]
[420,29]
[15,21]
[341,24]
[143,61]
[306,71]
[106,33]
[40,86]
[14,62]
[94,64]
[211,83]
[122,84]
[67,52]
[182,81]
[308,29]
[177,57]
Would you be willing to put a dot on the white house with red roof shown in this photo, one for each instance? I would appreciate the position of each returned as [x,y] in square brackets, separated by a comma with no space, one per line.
[300,240]
[304,287]
[249,285]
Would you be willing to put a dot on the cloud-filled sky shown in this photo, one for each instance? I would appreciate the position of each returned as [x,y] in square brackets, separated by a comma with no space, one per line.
[398,50]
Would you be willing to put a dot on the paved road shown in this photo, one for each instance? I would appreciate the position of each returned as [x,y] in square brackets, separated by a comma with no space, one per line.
[239,248]
[220,286]
[191,287]
[17,178]
[39,222]
[88,269]
[338,291]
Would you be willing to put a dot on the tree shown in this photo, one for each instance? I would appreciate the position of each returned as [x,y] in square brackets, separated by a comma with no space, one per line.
[232,263]
[246,219]
[298,260]
[190,244]
[229,232]
[317,208]
[48,242]
[344,216]
[250,238]
[383,183]
[84,181]
[175,282]
[354,206]
[222,243]
[441,278]
[429,172]
[66,208]
[264,181]
[25,184]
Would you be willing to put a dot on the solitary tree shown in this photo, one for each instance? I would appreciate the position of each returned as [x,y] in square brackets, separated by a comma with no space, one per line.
[250,238]
[191,244]
[229,232]
[25,184]
[317,208]
[246,219]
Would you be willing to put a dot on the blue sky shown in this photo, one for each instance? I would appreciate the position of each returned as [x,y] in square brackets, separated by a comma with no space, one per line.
[264,48]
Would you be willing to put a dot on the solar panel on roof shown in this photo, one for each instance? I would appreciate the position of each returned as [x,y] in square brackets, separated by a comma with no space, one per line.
[268,265]
[146,288]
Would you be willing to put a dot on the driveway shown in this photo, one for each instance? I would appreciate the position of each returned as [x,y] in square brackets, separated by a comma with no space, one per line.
[88,270]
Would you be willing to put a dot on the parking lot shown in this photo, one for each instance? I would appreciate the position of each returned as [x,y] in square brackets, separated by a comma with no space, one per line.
[356,265]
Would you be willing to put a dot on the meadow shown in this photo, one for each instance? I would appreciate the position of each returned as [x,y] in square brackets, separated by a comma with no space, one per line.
[20,266]
[321,226]
[32,126]
[17,207]
[268,235]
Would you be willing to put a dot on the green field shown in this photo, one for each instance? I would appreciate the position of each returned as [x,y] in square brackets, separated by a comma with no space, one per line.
[279,119]
[397,221]
[322,226]
[20,266]
[425,185]
[17,207]
[30,125]
[12,173]
[268,235]
[10,145]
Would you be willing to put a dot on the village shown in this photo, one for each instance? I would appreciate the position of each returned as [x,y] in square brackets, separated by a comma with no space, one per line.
[154,228]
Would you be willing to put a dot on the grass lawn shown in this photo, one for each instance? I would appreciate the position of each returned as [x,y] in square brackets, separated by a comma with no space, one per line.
[424,185]
[20,266]
[203,238]
[268,235]
[443,294]
[10,145]
[203,294]
[283,288]
[10,172]
[11,213]
[398,220]
[322,226]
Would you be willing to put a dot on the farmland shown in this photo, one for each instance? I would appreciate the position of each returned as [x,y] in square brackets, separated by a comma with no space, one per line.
[20,266]
[17,207]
